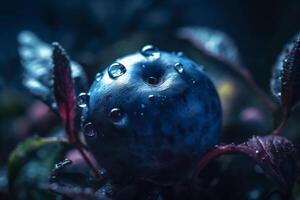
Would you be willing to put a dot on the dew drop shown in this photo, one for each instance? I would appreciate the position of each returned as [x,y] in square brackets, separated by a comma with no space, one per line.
[117,116]
[180,54]
[98,76]
[44,51]
[62,164]
[151,97]
[116,69]
[150,51]
[279,94]
[179,67]
[54,106]
[89,130]
[83,99]
[257,152]
[142,105]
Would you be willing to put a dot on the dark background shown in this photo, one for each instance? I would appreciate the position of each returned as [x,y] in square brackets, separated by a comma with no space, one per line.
[95,32]
[260,28]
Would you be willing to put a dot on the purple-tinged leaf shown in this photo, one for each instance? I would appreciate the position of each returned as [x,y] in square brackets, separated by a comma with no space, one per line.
[76,193]
[275,154]
[285,82]
[64,91]
[36,59]
[213,43]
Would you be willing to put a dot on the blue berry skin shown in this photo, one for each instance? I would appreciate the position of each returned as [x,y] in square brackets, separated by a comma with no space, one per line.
[152,114]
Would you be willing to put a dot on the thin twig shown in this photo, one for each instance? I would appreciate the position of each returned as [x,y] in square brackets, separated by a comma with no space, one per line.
[211,155]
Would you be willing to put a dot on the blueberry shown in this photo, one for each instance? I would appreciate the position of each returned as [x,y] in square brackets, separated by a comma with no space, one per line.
[152,114]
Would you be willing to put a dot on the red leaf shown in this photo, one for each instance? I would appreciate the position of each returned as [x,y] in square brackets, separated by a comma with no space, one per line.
[275,154]
[36,60]
[64,91]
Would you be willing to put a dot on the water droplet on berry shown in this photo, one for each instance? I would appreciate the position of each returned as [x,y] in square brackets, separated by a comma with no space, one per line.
[180,54]
[98,76]
[89,130]
[83,99]
[117,116]
[116,69]
[150,51]
[179,67]
[151,97]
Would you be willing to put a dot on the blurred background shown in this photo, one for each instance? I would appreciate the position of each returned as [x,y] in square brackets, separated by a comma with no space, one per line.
[96,32]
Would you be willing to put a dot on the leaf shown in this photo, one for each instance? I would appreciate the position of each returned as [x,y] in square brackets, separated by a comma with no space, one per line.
[285,82]
[73,192]
[64,91]
[17,157]
[37,64]
[275,154]
[211,42]
[219,47]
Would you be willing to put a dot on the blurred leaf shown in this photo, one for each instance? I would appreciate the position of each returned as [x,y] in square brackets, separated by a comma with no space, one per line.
[37,63]
[76,193]
[211,42]
[64,89]
[275,154]
[285,82]
[219,47]
[22,150]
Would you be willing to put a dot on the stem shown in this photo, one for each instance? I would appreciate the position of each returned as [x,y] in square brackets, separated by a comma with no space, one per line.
[91,165]
[75,140]
[211,155]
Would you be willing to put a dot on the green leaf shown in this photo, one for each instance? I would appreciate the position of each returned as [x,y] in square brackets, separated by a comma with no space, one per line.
[19,154]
